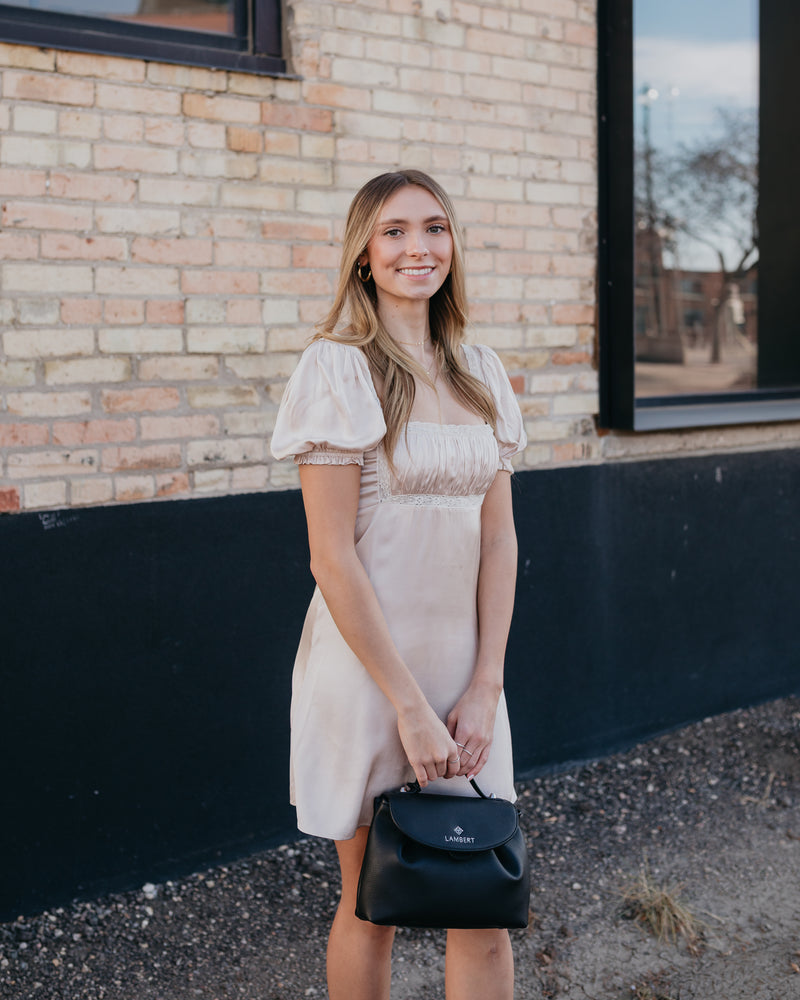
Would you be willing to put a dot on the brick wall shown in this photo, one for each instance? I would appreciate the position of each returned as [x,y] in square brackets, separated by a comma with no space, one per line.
[169,236]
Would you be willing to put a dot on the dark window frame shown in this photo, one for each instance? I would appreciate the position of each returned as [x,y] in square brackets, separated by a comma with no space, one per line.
[779,336]
[254,46]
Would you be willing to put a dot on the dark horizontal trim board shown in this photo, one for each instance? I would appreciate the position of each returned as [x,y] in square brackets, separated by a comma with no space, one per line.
[147,652]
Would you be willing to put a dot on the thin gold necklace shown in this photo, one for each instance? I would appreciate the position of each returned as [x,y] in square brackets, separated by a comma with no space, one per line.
[414,343]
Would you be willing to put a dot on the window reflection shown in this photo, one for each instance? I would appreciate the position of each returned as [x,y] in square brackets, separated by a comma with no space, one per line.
[188,15]
[696,194]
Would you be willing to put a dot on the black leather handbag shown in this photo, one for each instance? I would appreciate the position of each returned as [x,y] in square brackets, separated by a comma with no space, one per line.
[444,861]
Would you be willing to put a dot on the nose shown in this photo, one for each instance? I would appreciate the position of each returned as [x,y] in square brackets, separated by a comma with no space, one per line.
[416,246]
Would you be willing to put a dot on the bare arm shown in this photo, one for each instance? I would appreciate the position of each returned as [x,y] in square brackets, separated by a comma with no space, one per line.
[330,496]
[472,720]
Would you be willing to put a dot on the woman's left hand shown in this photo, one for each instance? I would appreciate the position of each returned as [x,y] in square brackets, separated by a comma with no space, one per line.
[471,724]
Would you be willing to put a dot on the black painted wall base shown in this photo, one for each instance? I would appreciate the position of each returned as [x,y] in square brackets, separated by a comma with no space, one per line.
[147,652]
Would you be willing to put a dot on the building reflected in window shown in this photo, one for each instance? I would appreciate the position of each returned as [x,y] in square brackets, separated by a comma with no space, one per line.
[696,196]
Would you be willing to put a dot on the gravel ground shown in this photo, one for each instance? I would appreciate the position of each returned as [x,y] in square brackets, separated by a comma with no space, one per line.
[712,811]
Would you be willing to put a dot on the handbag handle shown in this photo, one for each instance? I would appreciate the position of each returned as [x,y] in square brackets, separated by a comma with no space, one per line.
[413,786]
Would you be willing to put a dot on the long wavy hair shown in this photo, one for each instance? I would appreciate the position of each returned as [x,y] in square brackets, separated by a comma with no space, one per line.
[354,319]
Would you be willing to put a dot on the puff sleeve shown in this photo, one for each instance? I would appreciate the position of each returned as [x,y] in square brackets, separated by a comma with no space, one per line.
[510,430]
[330,413]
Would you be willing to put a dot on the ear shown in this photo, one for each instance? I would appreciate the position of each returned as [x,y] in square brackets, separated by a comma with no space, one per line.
[362,259]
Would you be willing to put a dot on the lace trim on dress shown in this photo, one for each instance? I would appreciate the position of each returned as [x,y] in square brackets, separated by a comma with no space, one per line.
[321,457]
[385,494]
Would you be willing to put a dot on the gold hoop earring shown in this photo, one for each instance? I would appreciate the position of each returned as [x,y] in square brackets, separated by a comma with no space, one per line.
[360,272]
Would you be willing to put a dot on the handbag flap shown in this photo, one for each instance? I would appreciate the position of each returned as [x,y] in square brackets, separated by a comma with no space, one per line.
[453,822]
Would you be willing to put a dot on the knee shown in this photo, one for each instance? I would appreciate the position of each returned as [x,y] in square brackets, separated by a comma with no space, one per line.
[491,943]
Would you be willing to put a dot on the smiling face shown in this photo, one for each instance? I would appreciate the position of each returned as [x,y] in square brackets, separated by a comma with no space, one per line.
[411,249]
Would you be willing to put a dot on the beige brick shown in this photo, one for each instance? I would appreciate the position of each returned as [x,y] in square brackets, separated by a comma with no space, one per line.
[56,278]
[67,246]
[163,428]
[133,159]
[165,191]
[232,253]
[154,456]
[145,100]
[284,476]
[41,495]
[223,109]
[205,135]
[552,336]
[93,431]
[84,492]
[34,215]
[225,340]
[163,132]
[279,311]
[164,311]
[263,367]
[16,150]
[89,370]
[129,489]
[29,119]
[150,222]
[570,403]
[264,87]
[146,340]
[203,397]
[79,124]
[17,373]
[139,400]
[90,187]
[57,343]
[228,452]
[178,369]
[219,282]
[285,282]
[249,424]
[123,311]
[137,281]
[204,164]
[259,197]
[305,173]
[27,57]
[240,312]
[84,64]
[244,140]
[23,435]
[250,479]
[172,251]
[46,464]
[123,128]
[47,88]
[18,246]
[211,480]
[189,77]
[205,311]
[25,183]
[172,484]
[48,404]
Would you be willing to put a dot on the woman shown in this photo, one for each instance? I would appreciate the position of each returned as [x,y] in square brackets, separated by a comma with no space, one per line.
[403,435]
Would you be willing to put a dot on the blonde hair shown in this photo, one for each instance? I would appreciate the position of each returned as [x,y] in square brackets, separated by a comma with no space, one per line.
[356,306]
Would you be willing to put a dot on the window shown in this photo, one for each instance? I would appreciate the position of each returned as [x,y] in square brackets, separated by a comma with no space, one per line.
[699,213]
[225,34]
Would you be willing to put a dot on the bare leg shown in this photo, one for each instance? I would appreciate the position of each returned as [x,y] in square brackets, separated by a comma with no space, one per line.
[359,953]
[480,965]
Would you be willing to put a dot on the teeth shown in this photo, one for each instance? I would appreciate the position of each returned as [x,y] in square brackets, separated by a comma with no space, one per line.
[416,270]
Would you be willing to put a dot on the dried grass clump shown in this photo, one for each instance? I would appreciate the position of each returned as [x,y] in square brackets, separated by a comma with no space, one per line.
[660,910]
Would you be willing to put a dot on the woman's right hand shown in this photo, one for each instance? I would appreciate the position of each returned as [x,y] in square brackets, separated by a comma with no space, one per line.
[430,748]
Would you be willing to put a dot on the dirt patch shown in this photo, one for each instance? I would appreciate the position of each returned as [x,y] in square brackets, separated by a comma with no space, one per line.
[712,809]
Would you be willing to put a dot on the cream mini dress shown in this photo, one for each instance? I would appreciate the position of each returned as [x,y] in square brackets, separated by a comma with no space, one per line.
[418,536]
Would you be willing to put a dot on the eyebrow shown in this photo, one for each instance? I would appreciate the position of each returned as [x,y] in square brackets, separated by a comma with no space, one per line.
[396,222]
